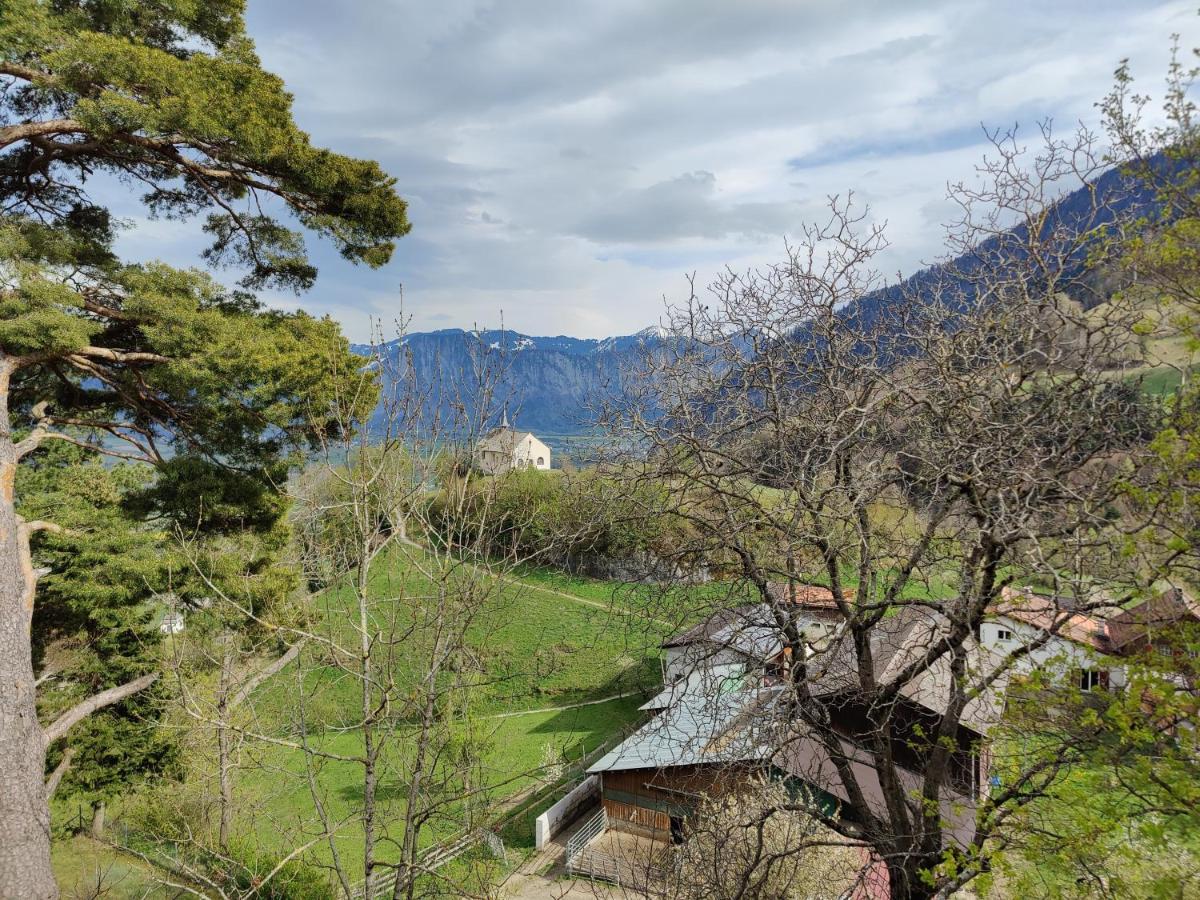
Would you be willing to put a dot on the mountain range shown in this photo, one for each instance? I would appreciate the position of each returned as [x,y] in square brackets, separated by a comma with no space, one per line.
[547,384]
[550,384]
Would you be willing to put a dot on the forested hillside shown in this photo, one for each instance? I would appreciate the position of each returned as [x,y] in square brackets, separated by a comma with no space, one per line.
[550,384]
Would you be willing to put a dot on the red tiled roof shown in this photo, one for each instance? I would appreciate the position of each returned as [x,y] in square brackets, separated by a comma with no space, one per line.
[1108,633]
[1048,614]
[810,596]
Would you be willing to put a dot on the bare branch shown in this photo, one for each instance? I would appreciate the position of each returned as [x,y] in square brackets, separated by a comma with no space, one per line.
[81,711]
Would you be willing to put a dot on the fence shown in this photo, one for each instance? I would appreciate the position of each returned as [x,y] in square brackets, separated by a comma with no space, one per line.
[584,859]
[593,828]
[429,861]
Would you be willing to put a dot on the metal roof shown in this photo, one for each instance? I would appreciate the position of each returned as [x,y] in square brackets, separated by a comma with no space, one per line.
[897,641]
[705,680]
[698,729]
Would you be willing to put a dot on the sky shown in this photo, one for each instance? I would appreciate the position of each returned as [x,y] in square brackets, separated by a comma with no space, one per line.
[567,164]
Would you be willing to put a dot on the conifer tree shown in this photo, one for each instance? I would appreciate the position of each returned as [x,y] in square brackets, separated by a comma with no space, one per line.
[142,361]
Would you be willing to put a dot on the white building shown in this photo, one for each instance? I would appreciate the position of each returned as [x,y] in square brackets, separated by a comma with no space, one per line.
[172,622]
[504,448]
[1079,646]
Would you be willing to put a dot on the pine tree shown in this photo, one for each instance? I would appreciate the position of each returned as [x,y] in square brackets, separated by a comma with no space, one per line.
[144,361]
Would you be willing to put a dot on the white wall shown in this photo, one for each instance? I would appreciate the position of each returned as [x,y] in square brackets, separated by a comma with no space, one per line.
[552,820]
[525,454]
[1058,654]
[815,625]
[530,450]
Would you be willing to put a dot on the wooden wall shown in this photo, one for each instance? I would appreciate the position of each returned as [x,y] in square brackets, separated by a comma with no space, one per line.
[621,815]
[647,798]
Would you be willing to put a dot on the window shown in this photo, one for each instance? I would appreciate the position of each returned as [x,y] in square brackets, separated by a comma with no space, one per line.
[1090,679]
[541,462]
[1004,634]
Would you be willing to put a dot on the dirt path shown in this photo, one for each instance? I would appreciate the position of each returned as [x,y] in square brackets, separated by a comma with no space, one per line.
[546,709]
[577,599]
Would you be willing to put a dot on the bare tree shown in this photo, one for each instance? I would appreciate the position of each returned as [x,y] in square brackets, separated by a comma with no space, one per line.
[399,524]
[749,843]
[916,450]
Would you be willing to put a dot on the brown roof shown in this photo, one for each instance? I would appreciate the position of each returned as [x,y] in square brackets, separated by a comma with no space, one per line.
[809,596]
[756,616]
[1164,610]
[897,641]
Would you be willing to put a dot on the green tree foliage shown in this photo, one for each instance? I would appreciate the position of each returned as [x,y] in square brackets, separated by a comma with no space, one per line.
[165,100]
[96,620]
[1123,820]
[170,98]
[159,357]
[552,517]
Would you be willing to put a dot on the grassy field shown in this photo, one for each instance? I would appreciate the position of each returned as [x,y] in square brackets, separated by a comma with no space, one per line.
[88,868]
[535,648]
[281,811]
[541,651]
[1161,381]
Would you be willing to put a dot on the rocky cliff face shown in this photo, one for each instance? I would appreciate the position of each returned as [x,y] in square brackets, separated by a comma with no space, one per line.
[549,384]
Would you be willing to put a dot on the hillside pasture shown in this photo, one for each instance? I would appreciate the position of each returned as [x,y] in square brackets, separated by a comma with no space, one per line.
[529,646]
[560,673]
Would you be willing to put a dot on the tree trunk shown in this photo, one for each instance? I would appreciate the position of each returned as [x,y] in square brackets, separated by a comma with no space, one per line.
[366,673]
[98,820]
[226,784]
[24,813]
[905,881]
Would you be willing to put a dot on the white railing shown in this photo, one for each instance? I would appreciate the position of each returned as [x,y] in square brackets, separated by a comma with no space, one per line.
[430,860]
[593,828]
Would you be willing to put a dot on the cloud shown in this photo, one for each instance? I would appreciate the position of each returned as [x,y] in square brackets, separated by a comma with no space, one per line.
[687,206]
[569,163]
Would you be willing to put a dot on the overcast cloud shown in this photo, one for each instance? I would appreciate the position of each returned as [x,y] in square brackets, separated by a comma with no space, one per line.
[567,163]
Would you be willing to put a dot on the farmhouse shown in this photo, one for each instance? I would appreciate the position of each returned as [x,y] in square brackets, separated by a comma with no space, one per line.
[724,722]
[505,448]
[746,633]
[1088,646]
[1078,644]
